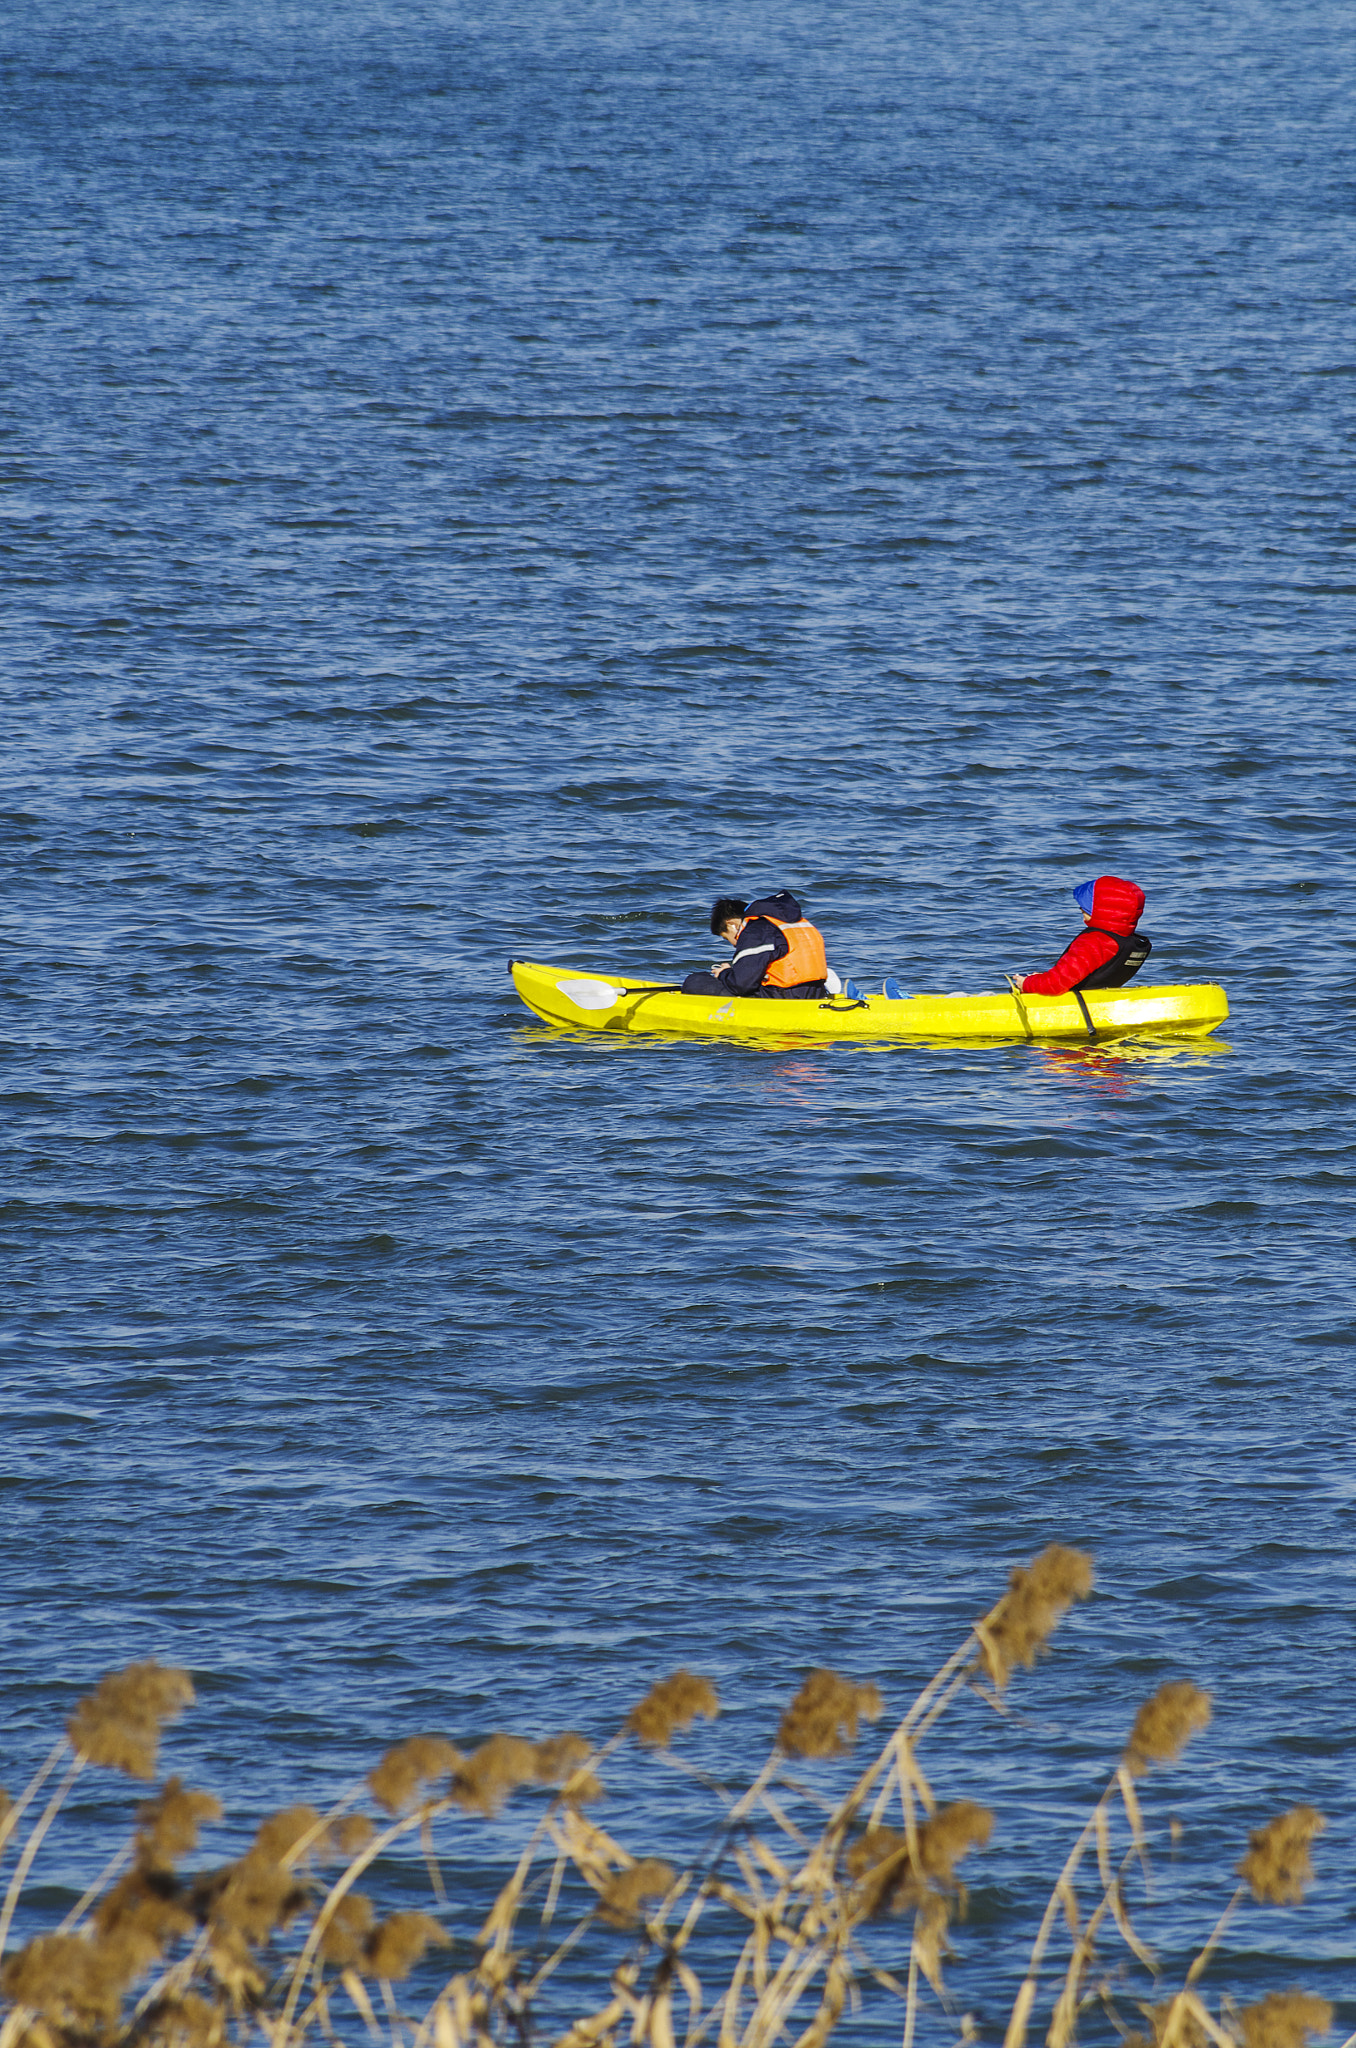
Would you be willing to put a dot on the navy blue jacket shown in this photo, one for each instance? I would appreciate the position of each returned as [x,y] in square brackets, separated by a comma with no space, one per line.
[760,943]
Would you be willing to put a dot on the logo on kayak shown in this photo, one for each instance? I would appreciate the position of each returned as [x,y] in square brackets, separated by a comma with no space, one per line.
[725,1010]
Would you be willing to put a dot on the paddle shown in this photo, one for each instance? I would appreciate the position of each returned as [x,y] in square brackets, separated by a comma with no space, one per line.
[1011,981]
[1077,995]
[591,992]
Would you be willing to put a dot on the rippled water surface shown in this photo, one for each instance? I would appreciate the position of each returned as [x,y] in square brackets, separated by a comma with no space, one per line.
[481,484]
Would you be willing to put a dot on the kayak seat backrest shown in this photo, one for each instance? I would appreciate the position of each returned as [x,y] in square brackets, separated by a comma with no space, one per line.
[1131,954]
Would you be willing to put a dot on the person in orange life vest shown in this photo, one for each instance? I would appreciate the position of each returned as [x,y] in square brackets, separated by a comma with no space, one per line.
[1108,952]
[777,951]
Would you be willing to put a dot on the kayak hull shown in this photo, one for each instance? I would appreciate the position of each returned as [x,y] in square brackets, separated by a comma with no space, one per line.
[582,1001]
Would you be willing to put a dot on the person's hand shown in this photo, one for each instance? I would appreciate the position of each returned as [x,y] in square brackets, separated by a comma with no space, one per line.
[1019,981]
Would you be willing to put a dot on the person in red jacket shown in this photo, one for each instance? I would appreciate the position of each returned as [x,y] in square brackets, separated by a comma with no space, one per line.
[1108,952]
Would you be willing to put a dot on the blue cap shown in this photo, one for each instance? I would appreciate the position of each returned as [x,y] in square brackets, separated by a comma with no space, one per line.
[1082,896]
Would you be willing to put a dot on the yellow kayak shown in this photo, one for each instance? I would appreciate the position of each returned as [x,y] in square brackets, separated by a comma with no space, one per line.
[615,1002]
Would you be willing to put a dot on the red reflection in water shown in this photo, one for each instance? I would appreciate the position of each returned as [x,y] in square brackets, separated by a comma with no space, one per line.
[1112,1069]
[1101,1071]
[790,1079]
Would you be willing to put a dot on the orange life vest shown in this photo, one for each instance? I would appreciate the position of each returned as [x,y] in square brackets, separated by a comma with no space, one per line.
[806,961]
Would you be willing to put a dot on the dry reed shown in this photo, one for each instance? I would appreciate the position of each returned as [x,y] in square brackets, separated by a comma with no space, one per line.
[1278,1866]
[773,1933]
[670,1708]
[1284,2019]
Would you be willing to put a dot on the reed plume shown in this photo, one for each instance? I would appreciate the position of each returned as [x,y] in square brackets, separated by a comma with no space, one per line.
[822,1719]
[671,1707]
[406,1770]
[169,1825]
[1284,2019]
[187,2022]
[485,1779]
[347,1930]
[624,1894]
[1278,1865]
[1165,1724]
[74,1983]
[1037,1599]
[394,1947]
[259,1893]
[346,1835]
[119,1725]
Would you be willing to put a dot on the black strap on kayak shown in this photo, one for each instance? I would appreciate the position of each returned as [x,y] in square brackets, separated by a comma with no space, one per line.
[841,1009]
[1087,1017]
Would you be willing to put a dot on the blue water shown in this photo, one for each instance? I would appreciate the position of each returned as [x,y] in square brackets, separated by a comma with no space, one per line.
[481,485]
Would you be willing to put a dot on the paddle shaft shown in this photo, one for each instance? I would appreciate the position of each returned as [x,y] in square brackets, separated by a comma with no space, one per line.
[1077,995]
[1011,980]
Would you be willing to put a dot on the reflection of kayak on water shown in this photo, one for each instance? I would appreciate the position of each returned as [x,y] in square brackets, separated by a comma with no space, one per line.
[615,1002]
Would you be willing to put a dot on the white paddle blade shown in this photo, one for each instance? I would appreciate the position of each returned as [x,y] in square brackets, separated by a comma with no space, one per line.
[589,995]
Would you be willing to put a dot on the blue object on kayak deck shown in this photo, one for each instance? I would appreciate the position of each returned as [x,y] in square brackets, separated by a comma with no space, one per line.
[891,990]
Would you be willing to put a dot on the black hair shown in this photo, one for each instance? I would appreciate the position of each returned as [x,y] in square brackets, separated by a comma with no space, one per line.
[723,909]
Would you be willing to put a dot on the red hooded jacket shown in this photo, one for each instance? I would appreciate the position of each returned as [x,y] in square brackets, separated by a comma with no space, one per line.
[1116,907]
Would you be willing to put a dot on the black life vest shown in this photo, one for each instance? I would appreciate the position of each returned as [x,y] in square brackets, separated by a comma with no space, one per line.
[1132,950]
